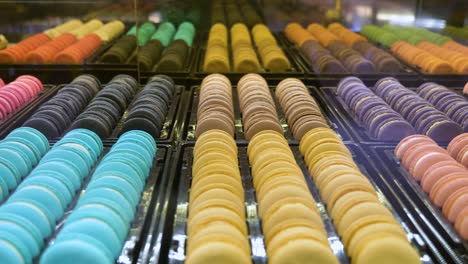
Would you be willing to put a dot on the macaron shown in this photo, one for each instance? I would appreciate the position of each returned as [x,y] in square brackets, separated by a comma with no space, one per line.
[272,56]
[121,50]
[217,52]
[79,51]
[17,94]
[16,53]
[297,34]
[174,57]
[244,56]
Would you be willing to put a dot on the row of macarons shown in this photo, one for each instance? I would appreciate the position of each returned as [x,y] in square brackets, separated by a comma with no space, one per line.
[244,55]
[257,105]
[337,49]
[84,103]
[234,11]
[156,43]
[390,111]
[17,94]
[39,202]
[442,173]
[432,52]
[71,42]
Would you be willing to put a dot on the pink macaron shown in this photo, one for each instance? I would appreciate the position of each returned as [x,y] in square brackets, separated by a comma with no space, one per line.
[446,186]
[457,144]
[415,152]
[2,83]
[409,142]
[438,171]
[419,167]
[462,156]
[455,204]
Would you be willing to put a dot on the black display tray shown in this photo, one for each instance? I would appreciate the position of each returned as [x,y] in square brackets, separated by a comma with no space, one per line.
[17,118]
[174,216]
[147,213]
[341,111]
[191,117]
[442,234]
[167,134]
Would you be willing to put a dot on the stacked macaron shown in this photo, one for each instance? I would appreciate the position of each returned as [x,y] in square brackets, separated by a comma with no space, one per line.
[150,53]
[301,110]
[17,53]
[439,174]
[273,57]
[297,34]
[244,56]
[414,35]
[56,115]
[318,57]
[110,30]
[459,33]
[424,117]
[257,106]
[379,35]
[79,51]
[104,112]
[18,93]
[45,53]
[216,225]
[144,32]
[215,105]
[458,149]
[96,229]
[20,151]
[346,35]
[291,223]
[217,52]
[63,28]
[383,61]
[447,101]
[32,211]
[379,119]
[324,36]
[177,52]
[457,60]
[421,58]
[452,45]
[149,108]
[353,60]
[87,28]
[121,50]
[367,228]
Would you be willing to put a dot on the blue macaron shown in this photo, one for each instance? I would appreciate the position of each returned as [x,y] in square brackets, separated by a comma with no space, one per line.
[14,160]
[13,250]
[37,214]
[60,169]
[9,176]
[32,135]
[118,184]
[43,195]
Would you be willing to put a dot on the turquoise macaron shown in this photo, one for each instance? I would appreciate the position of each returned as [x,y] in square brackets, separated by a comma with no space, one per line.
[27,225]
[57,181]
[117,165]
[103,213]
[76,248]
[22,234]
[37,214]
[62,170]
[9,175]
[97,200]
[126,158]
[87,135]
[22,148]
[131,147]
[140,138]
[15,160]
[37,152]
[3,189]
[21,151]
[89,148]
[32,135]
[98,229]
[43,195]
[138,185]
[70,155]
[118,184]
[113,195]
[13,250]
